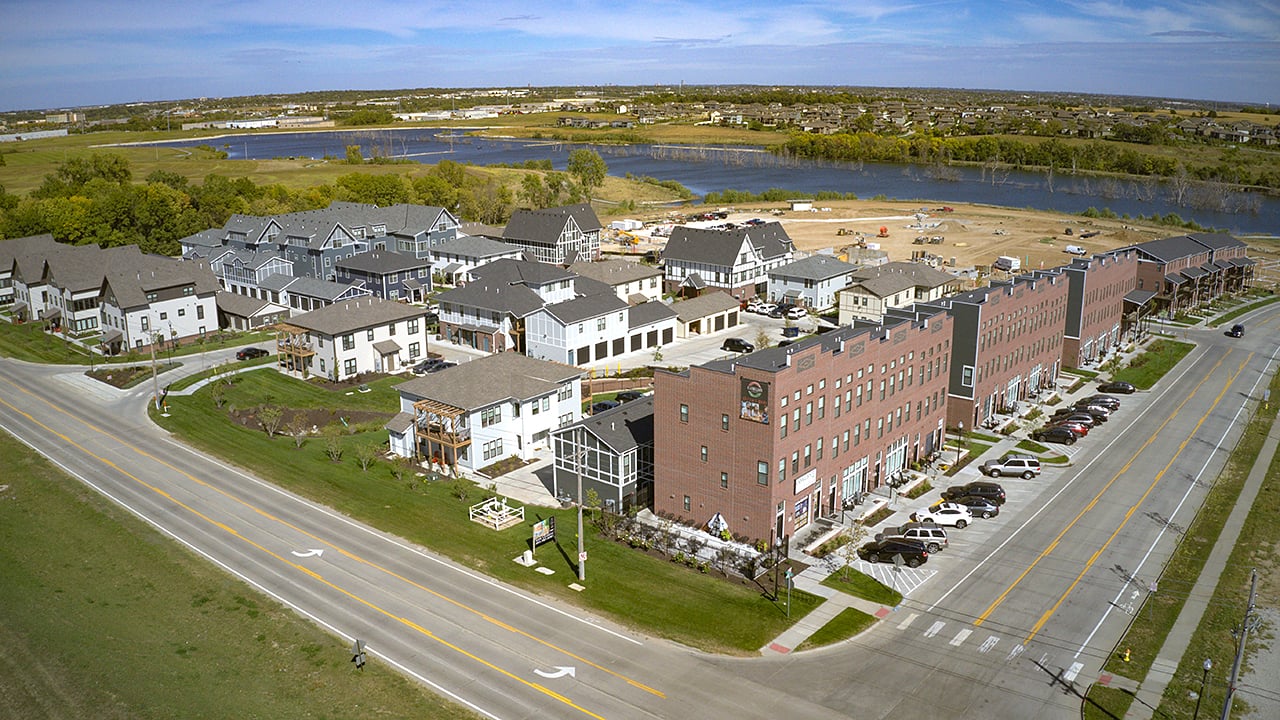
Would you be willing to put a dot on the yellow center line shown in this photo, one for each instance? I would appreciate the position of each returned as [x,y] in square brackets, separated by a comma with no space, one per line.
[282,559]
[1094,501]
[1093,558]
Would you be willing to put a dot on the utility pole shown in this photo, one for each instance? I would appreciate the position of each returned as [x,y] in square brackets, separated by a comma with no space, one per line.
[582,554]
[1250,619]
[155,380]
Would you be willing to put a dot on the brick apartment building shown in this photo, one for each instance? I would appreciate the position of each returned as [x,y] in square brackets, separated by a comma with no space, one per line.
[1096,288]
[773,439]
[1186,270]
[1006,343]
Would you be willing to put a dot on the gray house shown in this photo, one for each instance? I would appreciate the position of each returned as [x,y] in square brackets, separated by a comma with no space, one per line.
[388,275]
[558,236]
[613,451]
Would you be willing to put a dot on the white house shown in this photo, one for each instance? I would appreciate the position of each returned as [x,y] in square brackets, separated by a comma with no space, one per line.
[874,290]
[482,411]
[633,282]
[737,261]
[353,337]
[811,281]
[169,301]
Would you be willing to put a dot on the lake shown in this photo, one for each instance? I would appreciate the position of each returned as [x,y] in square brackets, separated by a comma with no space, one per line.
[711,169]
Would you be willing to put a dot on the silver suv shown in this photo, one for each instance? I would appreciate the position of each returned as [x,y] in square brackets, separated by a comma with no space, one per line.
[1019,465]
[933,537]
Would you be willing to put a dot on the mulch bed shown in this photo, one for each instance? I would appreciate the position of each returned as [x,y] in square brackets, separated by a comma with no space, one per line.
[318,418]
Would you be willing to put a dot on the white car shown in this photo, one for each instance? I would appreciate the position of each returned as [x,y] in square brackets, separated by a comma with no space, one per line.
[797,313]
[765,308]
[957,516]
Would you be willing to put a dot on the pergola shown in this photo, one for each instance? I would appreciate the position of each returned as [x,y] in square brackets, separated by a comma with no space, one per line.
[439,426]
[295,349]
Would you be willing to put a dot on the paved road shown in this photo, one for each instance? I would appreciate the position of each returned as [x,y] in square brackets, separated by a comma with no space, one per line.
[1023,609]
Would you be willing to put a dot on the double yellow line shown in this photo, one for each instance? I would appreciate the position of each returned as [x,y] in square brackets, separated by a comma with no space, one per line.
[1035,630]
[310,573]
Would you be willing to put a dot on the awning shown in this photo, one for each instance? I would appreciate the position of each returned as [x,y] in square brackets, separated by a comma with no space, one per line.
[694,281]
[413,284]
[1138,297]
[1175,279]
[1194,272]
[637,299]
[386,347]
[451,268]
[792,293]
[110,336]
[50,314]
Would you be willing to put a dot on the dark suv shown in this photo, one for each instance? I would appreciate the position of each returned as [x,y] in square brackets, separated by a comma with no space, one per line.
[978,488]
[738,345]
[1236,331]
[250,353]
[913,552]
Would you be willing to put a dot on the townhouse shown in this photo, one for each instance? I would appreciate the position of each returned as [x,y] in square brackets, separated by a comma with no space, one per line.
[161,301]
[453,260]
[387,274]
[613,452]
[737,261]
[34,246]
[1006,344]
[873,290]
[1096,291]
[485,410]
[558,236]
[1186,270]
[776,438]
[352,337]
[632,281]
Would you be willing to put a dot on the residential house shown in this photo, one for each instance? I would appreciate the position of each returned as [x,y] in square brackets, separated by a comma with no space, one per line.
[1095,319]
[774,439]
[161,301]
[304,294]
[810,282]
[244,272]
[634,282]
[35,247]
[485,410]
[613,452]
[244,313]
[737,261]
[454,260]
[1186,270]
[386,274]
[71,281]
[489,313]
[351,338]
[873,290]
[558,236]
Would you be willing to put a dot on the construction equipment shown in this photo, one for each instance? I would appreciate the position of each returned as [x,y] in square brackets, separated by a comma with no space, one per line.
[842,232]
[884,232]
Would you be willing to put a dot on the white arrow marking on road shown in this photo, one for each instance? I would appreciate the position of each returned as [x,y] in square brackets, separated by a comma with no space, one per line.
[934,628]
[960,637]
[1070,674]
[988,644]
[560,671]
[315,552]
[1015,652]
[909,619]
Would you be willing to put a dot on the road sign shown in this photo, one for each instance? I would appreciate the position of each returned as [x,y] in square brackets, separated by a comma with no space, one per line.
[582,556]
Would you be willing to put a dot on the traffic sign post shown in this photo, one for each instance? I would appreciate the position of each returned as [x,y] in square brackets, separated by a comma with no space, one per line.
[357,654]
[789,576]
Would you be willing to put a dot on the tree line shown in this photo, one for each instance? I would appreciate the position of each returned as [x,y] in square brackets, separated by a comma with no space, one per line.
[94,199]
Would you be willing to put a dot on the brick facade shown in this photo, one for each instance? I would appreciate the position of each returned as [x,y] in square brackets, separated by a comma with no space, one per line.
[1095,305]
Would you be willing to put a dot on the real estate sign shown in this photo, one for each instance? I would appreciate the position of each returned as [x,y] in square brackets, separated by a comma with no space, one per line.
[544,531]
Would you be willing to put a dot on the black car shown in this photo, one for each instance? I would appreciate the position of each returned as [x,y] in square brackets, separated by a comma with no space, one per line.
[442,365]
[1114,386]
[1236,331]
[603,405]
[1109,402]
[250,353]
[737,345]
[913,552]
[978,488]
[1054,434]
[628,396]
[979,506]
[427,365]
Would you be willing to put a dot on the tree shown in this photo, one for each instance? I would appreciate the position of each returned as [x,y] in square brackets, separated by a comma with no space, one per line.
[333,442]
[269,417]
[588,168]
[218,392]
[298,428]
[354,157]
[366,453]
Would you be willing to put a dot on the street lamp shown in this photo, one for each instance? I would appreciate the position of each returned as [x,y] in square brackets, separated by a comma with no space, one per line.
[959,440]
[1208,665]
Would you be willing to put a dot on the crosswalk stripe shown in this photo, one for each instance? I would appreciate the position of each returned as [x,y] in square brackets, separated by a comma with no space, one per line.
[907,621]
[988,644]
[961,637]
[935,628]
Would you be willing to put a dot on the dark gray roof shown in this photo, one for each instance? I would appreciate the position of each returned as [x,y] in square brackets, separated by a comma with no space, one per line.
[1194,272]
[1174,278]
[814,267]
[885,285]
[400,423]
[647,314]
[623,428]
[720,247]
[130,286]
[1170,248]
[277,282]
[323,289]
[474,247]
[36,247]
[491,379]
[522,272]
[500,296]
[85,267]
[352,315]
[545,226]
[381,262]
[240,305]
[205,238]
[1217,241]
[586,307]
[705,304]
[615,272]
[1139,297]
[251,258]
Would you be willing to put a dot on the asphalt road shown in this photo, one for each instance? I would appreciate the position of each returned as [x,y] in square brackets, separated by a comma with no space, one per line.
[1021,614]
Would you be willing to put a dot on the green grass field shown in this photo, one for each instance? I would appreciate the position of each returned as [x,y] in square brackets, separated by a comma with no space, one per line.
[105,618]
[843,626]
[656,596]
[863,586]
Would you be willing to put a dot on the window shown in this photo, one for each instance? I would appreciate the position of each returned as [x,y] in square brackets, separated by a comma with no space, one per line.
[782,470]
[704,453]
[348,342]
[966,376]
[686,502]
[762,472]
[565,392]
[845,440]
[601,323]
[164,316]
[724,422]
[199,312]
[684,413]
[795,461]
[413,327]
[490,416]
[818,449]
[808,455]
[182,312]
[808,413]
[370,334]
[391,329]
[349,366]
[493,449]
[724,479]
[146,323]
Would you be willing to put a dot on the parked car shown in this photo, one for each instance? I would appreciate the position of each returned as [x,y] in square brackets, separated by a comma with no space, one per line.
[1077,429]
[1099,413]
[250,353]
[797,313]
[913,552]
[1115,386]
[949,514]
[1109,402]
[1024,465]
[628,396]
[1054,434]
[737,345]
[1074,416]
[599,407]
[1236,331]
[977,488]
[979,506]
[933,537]
[765,308]
[426,366]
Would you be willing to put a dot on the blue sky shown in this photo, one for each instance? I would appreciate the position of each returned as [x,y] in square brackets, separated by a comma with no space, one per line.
[60,53]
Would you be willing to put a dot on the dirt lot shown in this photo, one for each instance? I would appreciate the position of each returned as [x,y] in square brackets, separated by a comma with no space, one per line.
[972,234]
